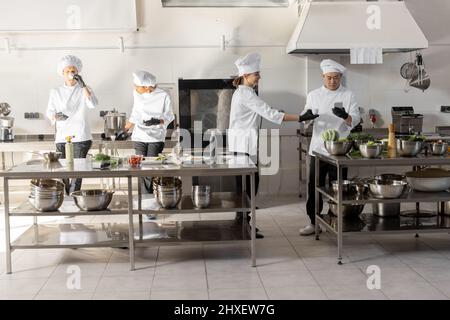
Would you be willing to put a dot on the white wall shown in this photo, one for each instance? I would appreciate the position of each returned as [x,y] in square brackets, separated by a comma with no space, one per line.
[175,43]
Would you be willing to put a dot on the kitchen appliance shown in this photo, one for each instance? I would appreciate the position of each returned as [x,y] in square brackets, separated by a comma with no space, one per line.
[114,123]
[405,120]
[350,30]
[6,123]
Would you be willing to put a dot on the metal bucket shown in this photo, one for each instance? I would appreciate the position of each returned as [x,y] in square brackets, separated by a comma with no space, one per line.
[386,209]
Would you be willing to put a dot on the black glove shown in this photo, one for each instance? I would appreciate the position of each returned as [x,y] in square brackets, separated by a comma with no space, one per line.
[152,122]
[60,116]
[308,115]
[79,80]
[340,112]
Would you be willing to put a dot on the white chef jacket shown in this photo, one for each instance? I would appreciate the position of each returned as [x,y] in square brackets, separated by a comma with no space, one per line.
[71,101]
[321,101]
[156,104]
[245,117]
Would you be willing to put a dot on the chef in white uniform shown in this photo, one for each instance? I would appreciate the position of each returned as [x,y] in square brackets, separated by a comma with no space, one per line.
[338,110]
[68,109]
[151,114]
[246,112]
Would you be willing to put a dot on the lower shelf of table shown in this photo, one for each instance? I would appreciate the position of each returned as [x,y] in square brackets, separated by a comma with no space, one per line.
[78,235]
[220,202]
[367,222]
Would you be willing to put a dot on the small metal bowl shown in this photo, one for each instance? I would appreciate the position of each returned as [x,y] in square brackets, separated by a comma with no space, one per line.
[371,151]
[349,211]
[338,148]
[346,186]
[439,148]
[407,148]
[92,200]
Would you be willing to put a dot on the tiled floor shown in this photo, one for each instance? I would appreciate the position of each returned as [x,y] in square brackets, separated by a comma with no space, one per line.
[289,266]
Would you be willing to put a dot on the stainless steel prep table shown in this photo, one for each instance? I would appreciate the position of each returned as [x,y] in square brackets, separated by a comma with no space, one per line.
[116,235]
[369,223]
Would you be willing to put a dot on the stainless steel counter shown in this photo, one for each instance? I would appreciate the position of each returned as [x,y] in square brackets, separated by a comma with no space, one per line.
[44,236]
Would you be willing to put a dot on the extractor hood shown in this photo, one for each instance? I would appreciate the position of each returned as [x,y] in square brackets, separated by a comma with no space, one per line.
[337,27]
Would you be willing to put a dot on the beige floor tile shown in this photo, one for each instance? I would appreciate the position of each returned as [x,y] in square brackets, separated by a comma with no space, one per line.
[238,294]
[234,281]
[69,285]
[119,295]
[63,296]
[435,274]
[187,267]
[179,295]
[442,286]
[179,282]
[21,286]
[129,283]
[280,279]
[339,277]
[296,293]
[412,291]
[352,292]
[86,269]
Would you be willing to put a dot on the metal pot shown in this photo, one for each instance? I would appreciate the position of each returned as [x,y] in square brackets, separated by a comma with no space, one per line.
[201,196]
[114,121]
[346,187]
[6,122]
[386,209]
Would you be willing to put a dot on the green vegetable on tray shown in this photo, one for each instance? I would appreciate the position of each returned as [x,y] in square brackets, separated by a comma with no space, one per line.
[330,135]
[415,138]
[102,157]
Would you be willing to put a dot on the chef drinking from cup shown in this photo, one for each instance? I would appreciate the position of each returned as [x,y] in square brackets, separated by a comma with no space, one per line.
[246,112]
[68,109]
[338,110]
[151,114]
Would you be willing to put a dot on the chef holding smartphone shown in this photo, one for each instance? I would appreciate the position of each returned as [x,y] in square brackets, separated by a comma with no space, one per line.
[337,110]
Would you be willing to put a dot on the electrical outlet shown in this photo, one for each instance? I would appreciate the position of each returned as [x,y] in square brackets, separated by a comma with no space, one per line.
[445,109]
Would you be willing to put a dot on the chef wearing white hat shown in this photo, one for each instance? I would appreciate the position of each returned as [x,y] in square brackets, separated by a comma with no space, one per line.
[338,110]
[246,112]
[151,114]
[68,109]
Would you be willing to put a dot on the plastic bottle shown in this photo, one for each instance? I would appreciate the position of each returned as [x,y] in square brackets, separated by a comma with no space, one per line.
[69,151]
[392,148]
[177,150]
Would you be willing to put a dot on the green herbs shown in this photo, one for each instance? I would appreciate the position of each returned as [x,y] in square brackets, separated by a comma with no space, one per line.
[416,138]
[102,157]
[330,135]
[360,136]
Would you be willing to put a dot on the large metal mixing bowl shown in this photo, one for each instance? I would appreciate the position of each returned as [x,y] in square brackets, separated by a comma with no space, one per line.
[348,210]
[387,189]
[338,148]
[92,200]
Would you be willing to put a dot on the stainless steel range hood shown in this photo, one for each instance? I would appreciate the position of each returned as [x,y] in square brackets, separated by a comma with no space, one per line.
[336,27]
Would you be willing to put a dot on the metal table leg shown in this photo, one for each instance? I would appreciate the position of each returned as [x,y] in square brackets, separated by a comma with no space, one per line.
[130,222]
[339,213]
[317,195]
[7,226]
[140,207]
[253,220]
[3,161]
[244,197]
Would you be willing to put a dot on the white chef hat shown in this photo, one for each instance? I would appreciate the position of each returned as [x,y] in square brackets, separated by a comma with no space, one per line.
[329,65]
[248,64]
[144,79]
[68,61]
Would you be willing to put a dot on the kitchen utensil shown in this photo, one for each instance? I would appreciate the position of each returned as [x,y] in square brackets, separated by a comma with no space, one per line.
[6,122]
[5,108]
[92,200]
[338,148]
[114,123]
[52,156]
[47,184]
[370,151]
[407,148]
[346,187]
[167,191]
[386,209]
[201,196]
[46,204]
[429,180]
[387,189]
[349,211]
[439,148]
[390,176]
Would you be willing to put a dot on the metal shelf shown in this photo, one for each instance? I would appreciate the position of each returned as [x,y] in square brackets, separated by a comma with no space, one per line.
[413,196]
[79,235]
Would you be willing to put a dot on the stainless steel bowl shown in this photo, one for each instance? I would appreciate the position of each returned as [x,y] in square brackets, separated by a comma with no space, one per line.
[46,204]
[349,211]
[429,180]
[52,156]
[47,184]
[371,151]
[390,176]
[346,186]
[337,148]
[168,197]
[92,200]
[201,196]
[408,148]
[387,189]
[439,148]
